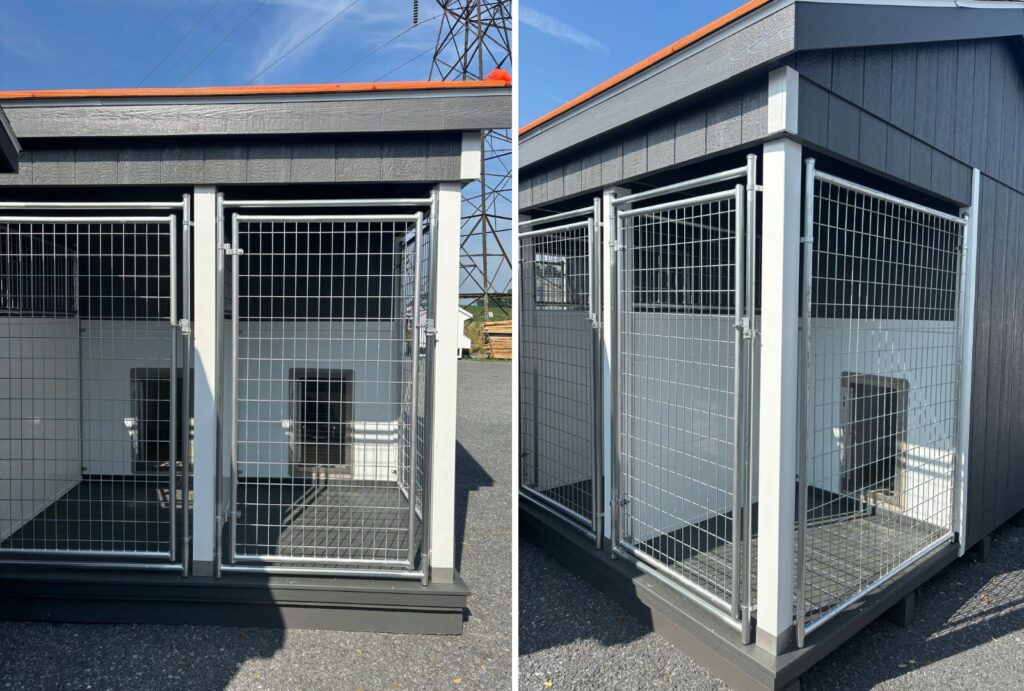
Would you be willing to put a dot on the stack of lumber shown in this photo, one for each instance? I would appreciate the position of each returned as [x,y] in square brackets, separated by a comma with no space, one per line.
[499,339]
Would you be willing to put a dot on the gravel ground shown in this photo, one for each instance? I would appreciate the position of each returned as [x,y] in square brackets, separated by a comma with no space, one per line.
[57,656]
[968,634]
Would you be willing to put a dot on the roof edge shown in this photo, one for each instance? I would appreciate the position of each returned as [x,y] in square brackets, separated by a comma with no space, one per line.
[257,90]
[666,52]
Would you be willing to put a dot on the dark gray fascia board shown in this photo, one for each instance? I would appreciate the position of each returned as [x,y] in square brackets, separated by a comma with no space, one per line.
[827,25]
[760,38]
[10,149]
[244,116]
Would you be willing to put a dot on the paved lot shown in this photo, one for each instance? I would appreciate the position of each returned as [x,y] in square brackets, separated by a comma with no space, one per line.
[57,656]
[969,633]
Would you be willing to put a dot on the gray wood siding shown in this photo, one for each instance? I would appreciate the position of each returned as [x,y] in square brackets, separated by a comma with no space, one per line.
[956,105]
[436,158]
[460,111]
[719,124]
[996,474]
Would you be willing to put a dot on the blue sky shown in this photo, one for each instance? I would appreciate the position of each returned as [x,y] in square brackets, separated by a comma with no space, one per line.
[568,46]
[94,43]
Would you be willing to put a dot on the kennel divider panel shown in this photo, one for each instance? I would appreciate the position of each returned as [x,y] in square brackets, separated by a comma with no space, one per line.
[122,286]
[882,312]
[560,464]
[365,523]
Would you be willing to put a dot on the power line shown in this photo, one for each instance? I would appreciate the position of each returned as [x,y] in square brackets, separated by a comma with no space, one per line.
[213,29]
[181,40]
[144,42]
[394,38]
[221,42]
[410,60]
[308,36]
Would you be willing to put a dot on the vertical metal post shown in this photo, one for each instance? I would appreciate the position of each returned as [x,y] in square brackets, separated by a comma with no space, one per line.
[428,395]
[617,250]
[739,300]
[806,360]
[172,374]
[747,629]
[417,331]
[218,491]
[597,485]
[186,385]
[233,507]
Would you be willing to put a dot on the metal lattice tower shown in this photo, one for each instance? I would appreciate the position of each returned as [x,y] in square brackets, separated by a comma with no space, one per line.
[475,38]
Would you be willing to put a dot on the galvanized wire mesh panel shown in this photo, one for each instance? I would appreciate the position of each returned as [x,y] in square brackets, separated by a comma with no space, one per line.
[89,441]
[558,383]
[882,302]
[678,274]
[325,320]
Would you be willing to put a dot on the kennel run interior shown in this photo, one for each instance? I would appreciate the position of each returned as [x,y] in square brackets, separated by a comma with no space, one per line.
[765,355]
[228,349]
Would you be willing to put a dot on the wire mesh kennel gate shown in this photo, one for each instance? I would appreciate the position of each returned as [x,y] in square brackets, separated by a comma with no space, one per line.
[96,303]
[684,272]
[330,321]
[560,385]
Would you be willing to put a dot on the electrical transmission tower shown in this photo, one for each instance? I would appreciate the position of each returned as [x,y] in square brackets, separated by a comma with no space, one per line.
[475,38]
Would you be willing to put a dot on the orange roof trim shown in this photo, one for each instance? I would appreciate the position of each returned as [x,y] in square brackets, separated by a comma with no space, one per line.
[497,79]
[672,49]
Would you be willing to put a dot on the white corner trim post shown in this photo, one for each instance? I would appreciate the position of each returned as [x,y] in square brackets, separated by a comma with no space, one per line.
[970,260]
[777,438]
[204,271]
[442,453]
[471,162]
[783,100]
[608,322]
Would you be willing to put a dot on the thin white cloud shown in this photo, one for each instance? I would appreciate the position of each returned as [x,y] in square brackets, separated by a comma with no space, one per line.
[558,29]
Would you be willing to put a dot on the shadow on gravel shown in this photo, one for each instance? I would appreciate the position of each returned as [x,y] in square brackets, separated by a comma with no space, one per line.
[967,606]
[470,476]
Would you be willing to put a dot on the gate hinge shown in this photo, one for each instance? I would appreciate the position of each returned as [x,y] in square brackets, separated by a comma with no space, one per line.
[616,246]
[229,250]
[623,501]
[744,328]
[430,328]
[185,326]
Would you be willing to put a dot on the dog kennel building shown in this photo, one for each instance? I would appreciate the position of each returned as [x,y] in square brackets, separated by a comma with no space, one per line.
[227,353]
[769,327]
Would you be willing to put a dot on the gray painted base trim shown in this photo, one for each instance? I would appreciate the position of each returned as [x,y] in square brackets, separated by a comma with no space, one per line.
[706,639]
[343,604]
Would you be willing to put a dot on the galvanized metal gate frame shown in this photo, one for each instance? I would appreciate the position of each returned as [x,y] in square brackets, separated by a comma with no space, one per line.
[737,612]
[177,557]
[585,218]
[812,175]
[227,557]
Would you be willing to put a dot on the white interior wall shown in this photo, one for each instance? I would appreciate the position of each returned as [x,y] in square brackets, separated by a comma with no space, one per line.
[924,354]
[110,350]
[373,350]
[678,419]
[39,416]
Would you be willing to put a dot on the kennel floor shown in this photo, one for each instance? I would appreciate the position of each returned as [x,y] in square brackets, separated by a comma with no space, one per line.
[849,546]
[334,520]
[101,515]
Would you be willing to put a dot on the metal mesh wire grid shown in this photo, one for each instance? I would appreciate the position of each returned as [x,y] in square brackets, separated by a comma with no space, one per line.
[326,328]
[882,293]
[89,444]
[557,380]
[677,355]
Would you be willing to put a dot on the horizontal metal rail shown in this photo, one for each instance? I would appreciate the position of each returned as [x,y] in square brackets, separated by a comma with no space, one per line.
[678,584]
[679,203]
[312,571]
[695,183]
[86,553]
[566,512]
[96,220]
[877,194]
[326,218]
[859,595]
[279,559]
[554,229]
[308,203]
[139,566]
[96,206]
[585,211]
